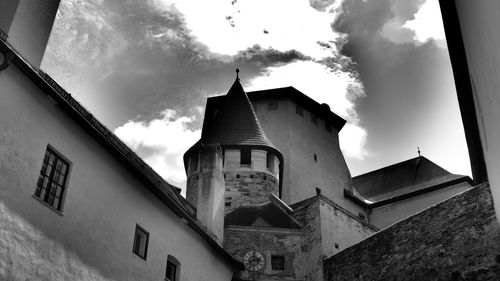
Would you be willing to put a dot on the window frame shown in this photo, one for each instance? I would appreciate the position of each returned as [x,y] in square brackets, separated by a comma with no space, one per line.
[177,266]
[146,244]
[272,105]
[273,259]
[58,157]
[248,152]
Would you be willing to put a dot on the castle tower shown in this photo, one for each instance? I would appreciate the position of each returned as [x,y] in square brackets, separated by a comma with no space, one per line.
[252,165]
[28,25]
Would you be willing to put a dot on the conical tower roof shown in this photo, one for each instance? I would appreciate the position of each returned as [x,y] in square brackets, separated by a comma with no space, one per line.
[236,122]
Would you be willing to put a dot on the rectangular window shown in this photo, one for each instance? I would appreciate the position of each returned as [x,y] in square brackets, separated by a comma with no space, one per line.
[272,106]
[314,119]
[171,271]
[246,157]
[277,262]
[270,162]
[51,183]
[299,110]
[141,239]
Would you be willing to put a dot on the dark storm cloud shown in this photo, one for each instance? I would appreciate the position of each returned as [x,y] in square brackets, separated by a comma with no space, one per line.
[268,57]
[403,81]
[135,59]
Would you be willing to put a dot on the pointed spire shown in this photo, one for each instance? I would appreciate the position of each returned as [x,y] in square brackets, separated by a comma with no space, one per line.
[418,150]
[236,122]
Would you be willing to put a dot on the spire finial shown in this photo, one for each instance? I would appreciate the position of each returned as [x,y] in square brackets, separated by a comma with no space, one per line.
[418,150]
[237,72]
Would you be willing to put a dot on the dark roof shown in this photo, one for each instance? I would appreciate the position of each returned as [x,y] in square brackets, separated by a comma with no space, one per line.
[166,192]
[402,178]
[268,215]
[235,123]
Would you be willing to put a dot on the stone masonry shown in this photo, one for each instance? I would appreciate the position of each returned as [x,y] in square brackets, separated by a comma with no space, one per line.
[453,240]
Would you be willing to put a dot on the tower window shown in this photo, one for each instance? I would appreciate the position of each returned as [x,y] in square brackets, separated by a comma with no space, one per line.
[299,110]
[141,239]
[314,118]
[277,262]
[272,106]
[315,158]
[173,269]
[51,183]
[246,157]
[270,162]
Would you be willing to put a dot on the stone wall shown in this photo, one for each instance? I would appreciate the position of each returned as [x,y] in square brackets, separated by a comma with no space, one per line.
[309,216]
[248,188]
[453,240]
[268,241]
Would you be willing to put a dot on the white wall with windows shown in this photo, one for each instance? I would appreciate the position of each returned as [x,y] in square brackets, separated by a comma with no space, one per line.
[90,232]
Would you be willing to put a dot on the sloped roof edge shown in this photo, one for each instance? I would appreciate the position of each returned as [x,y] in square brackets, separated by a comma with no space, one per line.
[155,183]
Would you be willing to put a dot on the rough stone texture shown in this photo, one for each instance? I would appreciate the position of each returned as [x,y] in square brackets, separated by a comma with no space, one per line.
[248,188]
[458,237]
[339,228]
[309,217]
[192,189]
[268,241]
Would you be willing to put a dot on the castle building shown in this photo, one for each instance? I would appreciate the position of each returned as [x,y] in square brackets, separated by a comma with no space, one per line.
[269,195]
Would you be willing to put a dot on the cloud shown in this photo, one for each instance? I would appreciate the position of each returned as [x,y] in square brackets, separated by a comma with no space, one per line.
[337,88]
[161,142]
[427,23]
[410,94]
[283,25]
[353,141]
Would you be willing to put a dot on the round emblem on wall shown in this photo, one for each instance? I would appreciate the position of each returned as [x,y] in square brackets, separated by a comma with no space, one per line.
[253,261]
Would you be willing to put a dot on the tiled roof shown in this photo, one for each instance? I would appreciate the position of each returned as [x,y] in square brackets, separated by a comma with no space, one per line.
[235,123]
[402,178]
[268,215]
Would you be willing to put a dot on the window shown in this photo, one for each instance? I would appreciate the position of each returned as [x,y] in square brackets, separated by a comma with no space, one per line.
[277,262]
[141,239]
[173,269]
[246,157]
[270,162]
[299,110]
[315,158]
[272,106]
[314,119]
[51,183]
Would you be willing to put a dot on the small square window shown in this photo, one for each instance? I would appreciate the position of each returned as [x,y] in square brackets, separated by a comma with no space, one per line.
[51,183]
[277,262]
[272,106]
[336,246]
[141,239]
[246,157]
[314,118]
[299,110]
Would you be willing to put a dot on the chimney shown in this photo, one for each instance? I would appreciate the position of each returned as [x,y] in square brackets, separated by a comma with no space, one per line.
[211,186]
[28,24]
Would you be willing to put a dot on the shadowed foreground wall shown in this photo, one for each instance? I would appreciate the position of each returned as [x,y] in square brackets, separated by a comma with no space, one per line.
[458,237]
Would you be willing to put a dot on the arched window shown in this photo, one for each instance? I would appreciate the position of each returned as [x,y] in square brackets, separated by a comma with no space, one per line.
[173,271]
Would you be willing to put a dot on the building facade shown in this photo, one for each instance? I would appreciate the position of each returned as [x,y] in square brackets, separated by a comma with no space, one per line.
[269,195]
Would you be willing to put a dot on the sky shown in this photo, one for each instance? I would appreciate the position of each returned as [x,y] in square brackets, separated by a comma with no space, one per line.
[146,68]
